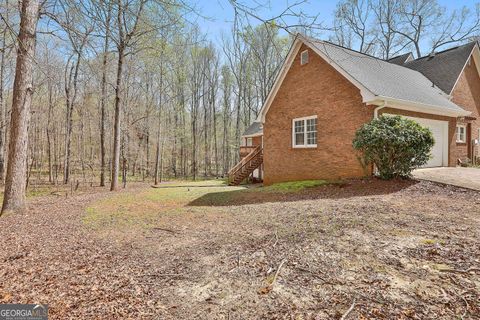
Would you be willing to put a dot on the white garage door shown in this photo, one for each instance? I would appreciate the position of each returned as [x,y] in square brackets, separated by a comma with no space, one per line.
[440,148]
[439,151]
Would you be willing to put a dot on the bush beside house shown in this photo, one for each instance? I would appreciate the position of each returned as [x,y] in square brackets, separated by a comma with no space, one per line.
[395,145]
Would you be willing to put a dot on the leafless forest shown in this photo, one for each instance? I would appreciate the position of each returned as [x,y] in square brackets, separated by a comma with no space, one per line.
[102,92]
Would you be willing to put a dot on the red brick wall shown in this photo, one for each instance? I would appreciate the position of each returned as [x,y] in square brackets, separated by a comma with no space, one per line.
[467,95]
[452,160]
[314,89]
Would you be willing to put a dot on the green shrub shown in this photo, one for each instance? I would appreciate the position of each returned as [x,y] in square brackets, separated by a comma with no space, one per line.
[395,145]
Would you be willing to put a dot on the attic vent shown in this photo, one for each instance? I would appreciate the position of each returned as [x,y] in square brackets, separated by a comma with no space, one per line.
[304,57]
[431,56]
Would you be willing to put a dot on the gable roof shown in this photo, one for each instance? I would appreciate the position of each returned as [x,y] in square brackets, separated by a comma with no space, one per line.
[255,129]
[444,68]
[380,82]
[401,59]
[387,80]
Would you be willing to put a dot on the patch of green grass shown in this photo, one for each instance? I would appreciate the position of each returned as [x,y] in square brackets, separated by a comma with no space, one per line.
[433,241]
[34,192]
[39,192]
[191,183]
[115,211]
[294,186]
[143,209]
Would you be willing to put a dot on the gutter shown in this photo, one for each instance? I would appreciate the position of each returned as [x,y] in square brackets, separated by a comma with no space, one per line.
[418,107]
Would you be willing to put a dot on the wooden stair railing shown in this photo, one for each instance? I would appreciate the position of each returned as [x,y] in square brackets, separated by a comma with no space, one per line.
[245,166]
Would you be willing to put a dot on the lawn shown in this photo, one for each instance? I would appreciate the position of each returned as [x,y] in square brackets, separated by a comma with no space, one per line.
[122,211]
[309,250]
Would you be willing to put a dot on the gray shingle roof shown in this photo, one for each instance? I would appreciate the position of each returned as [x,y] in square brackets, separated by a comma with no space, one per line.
[384,79]
[255,128]
[401,59]
[443,68]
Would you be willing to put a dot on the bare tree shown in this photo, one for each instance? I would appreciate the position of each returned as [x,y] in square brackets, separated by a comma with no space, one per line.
[290,19]
[128,16]
[4,54]
[78,36]
[459,26]
[388,41]
[353,17]
[106,45]
[15,182]
[388,27]
[416,19]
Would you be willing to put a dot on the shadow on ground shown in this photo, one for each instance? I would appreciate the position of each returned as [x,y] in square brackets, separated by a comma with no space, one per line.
[345,189]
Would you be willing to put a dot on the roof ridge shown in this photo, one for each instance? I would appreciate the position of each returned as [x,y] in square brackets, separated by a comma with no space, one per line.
[350,49]
[447,50]
[375,58]
[398,56]
[404,66]
[337,45]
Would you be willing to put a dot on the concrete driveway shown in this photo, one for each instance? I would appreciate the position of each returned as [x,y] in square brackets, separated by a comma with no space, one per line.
[460,177]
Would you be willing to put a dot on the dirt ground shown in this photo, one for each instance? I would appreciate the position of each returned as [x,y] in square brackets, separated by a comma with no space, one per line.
[359,250]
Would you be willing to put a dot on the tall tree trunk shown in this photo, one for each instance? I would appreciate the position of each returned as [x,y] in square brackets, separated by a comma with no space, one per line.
[237,127]
[174,147]
[104,97]
[194,146]
[16,178]
[123,41]
[49,131]
[116,128]
[205,128]
[70,104]
[2,99]
[225,146]
[214,116]
[158,152]
[146,167]
[68,127]
[159,144]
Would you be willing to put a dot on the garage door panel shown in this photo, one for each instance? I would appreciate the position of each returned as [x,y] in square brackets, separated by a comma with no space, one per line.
[439,151]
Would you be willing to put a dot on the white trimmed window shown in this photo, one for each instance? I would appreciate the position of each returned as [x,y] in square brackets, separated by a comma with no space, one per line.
[461,133]
[304,57]
[304,132]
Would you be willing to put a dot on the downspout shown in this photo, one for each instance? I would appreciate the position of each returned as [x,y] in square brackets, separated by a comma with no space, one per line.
[375,116]
[375,111]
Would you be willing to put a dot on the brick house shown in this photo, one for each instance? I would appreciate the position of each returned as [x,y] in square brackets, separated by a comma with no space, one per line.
[325,92]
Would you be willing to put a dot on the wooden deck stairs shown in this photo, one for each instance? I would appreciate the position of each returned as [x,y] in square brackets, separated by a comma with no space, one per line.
[246,166]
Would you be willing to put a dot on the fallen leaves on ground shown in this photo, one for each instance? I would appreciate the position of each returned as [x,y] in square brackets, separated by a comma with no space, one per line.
[388,246]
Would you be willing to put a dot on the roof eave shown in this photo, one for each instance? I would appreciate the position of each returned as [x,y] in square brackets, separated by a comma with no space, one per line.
[258,134]
[417,107]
